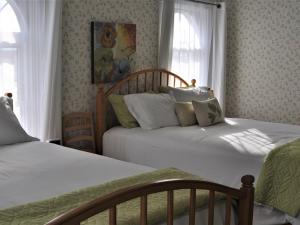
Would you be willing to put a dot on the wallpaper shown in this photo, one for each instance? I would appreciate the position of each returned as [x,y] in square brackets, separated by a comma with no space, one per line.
[263,80]
[263,67]
[78,92]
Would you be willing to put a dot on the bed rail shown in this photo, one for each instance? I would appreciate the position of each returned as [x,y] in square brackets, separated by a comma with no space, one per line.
[244,196]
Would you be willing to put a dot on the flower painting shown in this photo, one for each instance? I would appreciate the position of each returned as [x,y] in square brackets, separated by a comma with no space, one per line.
[113,51]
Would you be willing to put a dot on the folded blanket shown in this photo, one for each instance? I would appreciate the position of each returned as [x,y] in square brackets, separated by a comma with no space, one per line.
[38,213]
[278,184]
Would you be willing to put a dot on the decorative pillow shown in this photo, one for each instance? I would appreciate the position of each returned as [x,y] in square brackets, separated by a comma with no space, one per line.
[208,112]
[186,94]
[185,113]
[152,110]
[11,131]
[167,89]
[124,116]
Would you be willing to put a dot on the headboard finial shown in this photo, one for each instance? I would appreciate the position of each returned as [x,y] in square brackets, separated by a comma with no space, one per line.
[8,94]
[193,82]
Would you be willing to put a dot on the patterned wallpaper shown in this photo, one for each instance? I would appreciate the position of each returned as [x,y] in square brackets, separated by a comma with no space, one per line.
[78,92]
[263,67]
[263,80]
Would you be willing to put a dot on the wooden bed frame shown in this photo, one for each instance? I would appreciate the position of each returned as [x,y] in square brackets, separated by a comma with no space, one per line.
[244,197]
[148,80]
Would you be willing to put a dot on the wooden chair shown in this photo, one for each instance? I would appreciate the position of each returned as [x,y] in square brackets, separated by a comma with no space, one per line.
[78,131]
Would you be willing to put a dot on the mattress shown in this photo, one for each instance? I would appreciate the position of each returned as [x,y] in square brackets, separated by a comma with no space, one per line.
[222,153]
[36,171]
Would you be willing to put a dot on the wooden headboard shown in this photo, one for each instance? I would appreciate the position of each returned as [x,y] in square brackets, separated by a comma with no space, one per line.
[147,80]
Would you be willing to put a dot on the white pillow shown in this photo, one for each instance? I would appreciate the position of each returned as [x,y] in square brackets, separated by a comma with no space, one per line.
[11,131]
[152,110]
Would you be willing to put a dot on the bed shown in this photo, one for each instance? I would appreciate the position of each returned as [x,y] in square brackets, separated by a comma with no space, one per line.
[33,173]
[227,150]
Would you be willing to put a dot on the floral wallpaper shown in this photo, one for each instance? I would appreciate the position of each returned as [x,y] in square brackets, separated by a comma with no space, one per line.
[263,80]
[263,67]
[78,92]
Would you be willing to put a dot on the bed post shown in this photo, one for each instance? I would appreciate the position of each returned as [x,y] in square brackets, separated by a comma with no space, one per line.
[10,99]
[100,117]
[246,202]
[193,82]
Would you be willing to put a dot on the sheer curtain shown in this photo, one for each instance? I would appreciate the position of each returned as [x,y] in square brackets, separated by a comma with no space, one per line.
[165,35]
[197,35]
[217,80]
[12,29]
[38,76]
[193,28]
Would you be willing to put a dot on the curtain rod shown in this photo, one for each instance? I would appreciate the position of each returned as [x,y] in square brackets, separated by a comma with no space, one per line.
[208,3]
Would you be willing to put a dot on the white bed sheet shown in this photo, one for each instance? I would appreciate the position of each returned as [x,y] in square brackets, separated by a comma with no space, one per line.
[222,153]
[36,171]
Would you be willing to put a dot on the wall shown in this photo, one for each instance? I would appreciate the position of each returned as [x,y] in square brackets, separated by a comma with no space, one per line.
[78,92]
[263,80]
[263,68]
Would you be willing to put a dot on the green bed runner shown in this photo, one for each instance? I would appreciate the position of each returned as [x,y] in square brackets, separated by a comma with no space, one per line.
[38,213]
[278,184]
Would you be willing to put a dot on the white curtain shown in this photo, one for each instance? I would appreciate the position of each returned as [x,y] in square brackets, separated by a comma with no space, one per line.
[165,33]
[39,69]
[193,28]
[217,80]
[198,43]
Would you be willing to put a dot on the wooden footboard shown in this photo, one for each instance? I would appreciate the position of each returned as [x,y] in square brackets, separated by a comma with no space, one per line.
[243,196]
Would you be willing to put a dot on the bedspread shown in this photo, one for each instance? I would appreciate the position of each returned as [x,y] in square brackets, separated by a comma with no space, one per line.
[41,212]
[278,184]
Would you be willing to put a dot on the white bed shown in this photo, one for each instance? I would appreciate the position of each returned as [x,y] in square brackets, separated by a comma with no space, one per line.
[36,171]
[221,153]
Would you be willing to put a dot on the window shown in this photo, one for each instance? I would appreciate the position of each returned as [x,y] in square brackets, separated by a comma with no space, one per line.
[10,38]
[192,39]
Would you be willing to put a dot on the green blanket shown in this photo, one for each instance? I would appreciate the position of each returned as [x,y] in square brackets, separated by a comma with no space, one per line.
[278,184]
[38,213]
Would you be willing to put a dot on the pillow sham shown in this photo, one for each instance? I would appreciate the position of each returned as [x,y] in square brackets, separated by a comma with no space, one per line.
[208,112]
[11,131]
[123,115]
[186,94]
[167,89]
[181,95]
[185,113]
[152,110]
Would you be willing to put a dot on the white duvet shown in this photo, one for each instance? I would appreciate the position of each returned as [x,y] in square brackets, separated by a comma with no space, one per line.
[36,171]
[222,153]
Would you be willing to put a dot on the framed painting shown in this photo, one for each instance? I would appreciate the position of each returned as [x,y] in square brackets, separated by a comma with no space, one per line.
[113,51]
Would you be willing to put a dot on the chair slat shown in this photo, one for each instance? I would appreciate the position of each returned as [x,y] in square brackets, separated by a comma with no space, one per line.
[160,78]
[170,207]
[228,209]
[174,82]
[113,216]
[211,205]
[137,84]
[78,127]
[153,81]
[168,79]
[145,82]
[192,207]
[143,219]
